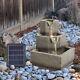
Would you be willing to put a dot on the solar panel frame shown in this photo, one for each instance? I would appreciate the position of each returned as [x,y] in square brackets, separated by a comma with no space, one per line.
[16,54]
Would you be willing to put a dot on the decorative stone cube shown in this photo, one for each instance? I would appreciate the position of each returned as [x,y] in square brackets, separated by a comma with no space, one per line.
[53,60]
[49,24]
[44,28]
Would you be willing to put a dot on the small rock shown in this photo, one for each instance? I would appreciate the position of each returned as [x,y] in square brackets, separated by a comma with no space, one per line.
[22,69]
[50,76]
[28,63]
[38,71]
[1,59]
[9,76]
[25,74]
[72,70]
[59,78]
[65,70]
[20,72]
[23,78]
[66,78]
[76,67]
[65,74]
[29,70]
[12,67]
[39,77]
[43,71]
[76,75]
[5,73]
[73,78]
[29,77]
[35,67]
[58,73]
[18,77]
[47,71]
[13,73]
[3,68]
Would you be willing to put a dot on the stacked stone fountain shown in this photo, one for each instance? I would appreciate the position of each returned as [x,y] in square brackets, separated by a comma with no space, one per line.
[51,50]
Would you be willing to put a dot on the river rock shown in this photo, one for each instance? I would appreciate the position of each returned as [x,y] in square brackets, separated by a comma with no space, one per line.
[59,78]
[12,67]
[28,63]
[50,76]
[72,70]
[3,67]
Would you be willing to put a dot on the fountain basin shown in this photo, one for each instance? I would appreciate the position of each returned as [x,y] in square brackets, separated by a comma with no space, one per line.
[44,42]
[52,59]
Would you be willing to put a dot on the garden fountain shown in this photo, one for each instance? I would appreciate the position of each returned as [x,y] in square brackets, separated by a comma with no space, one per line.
[51,50]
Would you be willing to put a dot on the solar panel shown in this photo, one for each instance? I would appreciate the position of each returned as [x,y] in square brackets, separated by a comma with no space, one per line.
[16,54]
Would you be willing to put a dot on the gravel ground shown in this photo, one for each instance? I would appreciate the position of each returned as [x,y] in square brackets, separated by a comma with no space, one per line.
[31,72]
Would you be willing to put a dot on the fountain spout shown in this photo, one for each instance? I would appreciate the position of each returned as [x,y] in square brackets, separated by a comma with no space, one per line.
[56,40]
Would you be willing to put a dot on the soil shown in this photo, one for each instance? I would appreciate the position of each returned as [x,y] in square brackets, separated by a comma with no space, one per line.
[77,53]
[20,34]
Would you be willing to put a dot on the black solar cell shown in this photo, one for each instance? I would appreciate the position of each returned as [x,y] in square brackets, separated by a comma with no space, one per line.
[16,54]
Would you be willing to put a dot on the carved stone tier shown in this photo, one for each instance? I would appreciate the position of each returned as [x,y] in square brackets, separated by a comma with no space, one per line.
[47,24]
[45,42]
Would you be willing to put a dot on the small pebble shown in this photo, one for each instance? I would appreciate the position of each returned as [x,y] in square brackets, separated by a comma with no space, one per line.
[12,67]
[50,76]
[35,67]
[59,78]
[65,70]
[28,63]
[72,70]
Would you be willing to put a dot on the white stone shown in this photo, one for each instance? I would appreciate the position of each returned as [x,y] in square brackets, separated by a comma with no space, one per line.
[3,66]
[25,74]
[28,63]
[66,78]
[50,76]
[35,67]
[12,67]
[58,78]
[23,78]
[47,71]
[65,70]
[1,58]
[39,77]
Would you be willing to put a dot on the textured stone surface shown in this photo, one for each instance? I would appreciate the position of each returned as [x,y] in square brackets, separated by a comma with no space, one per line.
[44,42]
[47,25]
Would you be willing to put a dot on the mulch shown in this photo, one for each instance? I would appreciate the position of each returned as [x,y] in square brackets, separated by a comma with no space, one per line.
[77,50]
[77,53]
[20,34]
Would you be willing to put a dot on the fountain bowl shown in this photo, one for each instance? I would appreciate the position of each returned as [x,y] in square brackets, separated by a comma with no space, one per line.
[51,59]
[44,42]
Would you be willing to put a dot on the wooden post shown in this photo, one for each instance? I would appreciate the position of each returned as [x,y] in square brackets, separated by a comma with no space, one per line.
[53,4]
[20,13]
[4,16]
